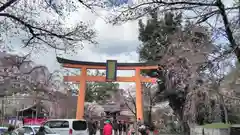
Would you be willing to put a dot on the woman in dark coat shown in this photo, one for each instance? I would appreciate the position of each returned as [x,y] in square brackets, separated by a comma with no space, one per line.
[124,128]
[95,127]
[120,128]
[91,127]
[41,131]
[115,127]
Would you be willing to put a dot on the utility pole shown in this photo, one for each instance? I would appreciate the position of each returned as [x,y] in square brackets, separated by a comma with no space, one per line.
[2,112]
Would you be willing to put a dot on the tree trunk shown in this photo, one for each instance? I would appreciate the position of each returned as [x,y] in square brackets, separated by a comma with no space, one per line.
[150,114]
[237,52]
[2,112]
[223,108]
[186,128]
[228,30]
[184,124]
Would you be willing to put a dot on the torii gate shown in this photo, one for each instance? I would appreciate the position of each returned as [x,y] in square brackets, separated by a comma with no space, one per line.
[111,67]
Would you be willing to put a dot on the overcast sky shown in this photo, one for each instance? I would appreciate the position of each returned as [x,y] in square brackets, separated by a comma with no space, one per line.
[115,42]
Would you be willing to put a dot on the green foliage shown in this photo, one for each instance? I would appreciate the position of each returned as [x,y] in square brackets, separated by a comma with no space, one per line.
[155,38]
[154,35]
[233,116]
[160,37]
[217,125]
[100,91]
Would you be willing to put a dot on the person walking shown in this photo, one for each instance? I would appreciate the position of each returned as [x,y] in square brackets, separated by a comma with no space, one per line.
[139,122]
[95,127]
[107,130]
[101,126]
[41,131]
[91,127]
[120,128]
[131,130]
[115,127]
[124,126]
[21,131]
[10,130]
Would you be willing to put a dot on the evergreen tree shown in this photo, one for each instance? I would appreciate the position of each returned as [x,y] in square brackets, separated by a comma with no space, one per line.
[154,35]
[100,91]
[178,48]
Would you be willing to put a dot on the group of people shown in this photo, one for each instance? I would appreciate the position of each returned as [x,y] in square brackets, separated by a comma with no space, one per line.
[120,127]
[92,127]
[106,127]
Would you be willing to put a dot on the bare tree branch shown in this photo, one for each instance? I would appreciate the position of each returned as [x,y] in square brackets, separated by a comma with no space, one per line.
[22,19]
[129,99]
[7,4]
[226,96]
[229,33]
[34,34]
[83,3]
[174,3]
[132,111]
[206,9]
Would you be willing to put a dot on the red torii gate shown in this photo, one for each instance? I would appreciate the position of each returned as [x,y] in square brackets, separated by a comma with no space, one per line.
[110,65]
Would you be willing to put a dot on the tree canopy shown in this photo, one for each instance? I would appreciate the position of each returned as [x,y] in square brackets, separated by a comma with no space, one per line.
[181,50]
[18,74]
[100,91]
[154,35]
[222,17]
[41,24]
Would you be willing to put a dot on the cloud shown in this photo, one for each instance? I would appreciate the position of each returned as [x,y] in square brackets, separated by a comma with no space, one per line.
[49,59]
[115,47]
[118,42]
[115,42]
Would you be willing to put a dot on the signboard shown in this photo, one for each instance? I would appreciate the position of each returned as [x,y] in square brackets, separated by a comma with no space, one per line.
[111,70]
[14,121]
[33,121]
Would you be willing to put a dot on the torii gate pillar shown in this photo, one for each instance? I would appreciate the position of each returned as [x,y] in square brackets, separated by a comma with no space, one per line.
[81,94]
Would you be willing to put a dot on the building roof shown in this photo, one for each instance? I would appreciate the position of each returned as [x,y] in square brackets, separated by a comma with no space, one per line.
[32,107]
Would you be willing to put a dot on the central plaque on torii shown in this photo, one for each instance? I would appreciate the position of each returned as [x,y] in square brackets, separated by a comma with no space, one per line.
[111,70]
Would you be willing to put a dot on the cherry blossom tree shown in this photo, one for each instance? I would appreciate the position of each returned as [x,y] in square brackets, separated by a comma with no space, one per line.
[41,24]
[20,75]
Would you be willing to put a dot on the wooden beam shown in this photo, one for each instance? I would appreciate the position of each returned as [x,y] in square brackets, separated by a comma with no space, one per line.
[81,95]
[72,78]
[139,99]
[104,67]
[103,79]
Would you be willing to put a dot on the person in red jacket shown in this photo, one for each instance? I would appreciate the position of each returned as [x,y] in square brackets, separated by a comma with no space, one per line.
[107,129]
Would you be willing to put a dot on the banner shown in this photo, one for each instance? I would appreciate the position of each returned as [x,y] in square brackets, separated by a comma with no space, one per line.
[33,121]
